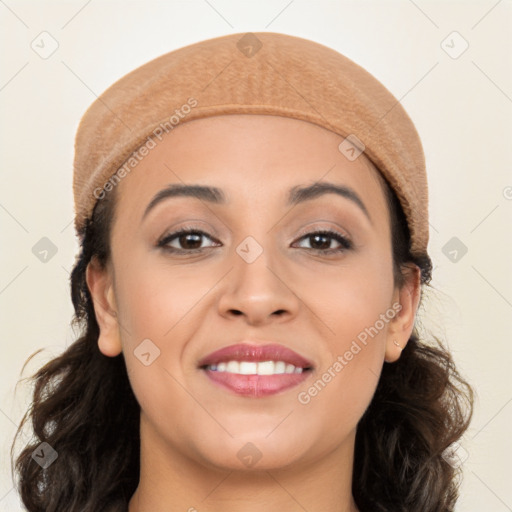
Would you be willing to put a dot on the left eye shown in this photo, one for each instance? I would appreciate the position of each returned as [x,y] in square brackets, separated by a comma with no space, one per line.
[324,238]
[189,240]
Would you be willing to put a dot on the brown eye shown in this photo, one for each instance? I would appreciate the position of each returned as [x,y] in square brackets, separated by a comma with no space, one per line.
[184,240]
[320,241]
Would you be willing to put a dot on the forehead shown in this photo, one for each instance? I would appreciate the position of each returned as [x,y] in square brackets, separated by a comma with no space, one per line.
[254,159]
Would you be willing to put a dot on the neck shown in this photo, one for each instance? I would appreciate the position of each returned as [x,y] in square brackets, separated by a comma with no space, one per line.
[171,481]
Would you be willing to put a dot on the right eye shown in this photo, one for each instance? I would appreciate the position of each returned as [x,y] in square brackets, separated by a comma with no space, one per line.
[185,238]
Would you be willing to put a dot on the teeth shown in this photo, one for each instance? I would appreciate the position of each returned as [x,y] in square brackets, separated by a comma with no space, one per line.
[233,367]
[280,367]
[266,368]
[248,368]
[255,368]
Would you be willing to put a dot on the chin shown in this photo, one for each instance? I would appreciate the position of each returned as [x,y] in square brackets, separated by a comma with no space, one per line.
[251,452]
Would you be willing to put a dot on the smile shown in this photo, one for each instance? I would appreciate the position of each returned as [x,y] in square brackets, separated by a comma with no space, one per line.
[255,370]
[255,385]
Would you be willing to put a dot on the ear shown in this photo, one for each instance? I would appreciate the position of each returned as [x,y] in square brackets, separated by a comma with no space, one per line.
[100,283]
[401,326]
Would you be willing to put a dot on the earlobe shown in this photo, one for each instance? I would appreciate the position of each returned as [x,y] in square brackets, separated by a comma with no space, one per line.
[99,282]
[401,326]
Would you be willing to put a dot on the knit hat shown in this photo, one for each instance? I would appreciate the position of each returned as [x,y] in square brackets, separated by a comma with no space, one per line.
[251,73]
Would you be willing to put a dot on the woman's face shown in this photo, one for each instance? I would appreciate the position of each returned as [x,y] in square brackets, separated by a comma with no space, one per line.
[255,275]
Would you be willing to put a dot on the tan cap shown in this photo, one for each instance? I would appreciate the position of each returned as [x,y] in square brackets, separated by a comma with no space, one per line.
[252,73]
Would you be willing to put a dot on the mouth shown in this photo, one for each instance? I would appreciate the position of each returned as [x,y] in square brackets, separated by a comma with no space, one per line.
[256,370]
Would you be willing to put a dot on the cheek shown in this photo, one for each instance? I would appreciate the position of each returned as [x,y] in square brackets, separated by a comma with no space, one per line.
[349,298]
[160,310]
[156,300]
[354,307]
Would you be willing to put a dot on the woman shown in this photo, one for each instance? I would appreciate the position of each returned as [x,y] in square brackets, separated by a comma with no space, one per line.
[253,216]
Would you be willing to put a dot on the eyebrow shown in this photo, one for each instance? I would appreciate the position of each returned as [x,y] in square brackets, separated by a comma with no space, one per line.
[296,195]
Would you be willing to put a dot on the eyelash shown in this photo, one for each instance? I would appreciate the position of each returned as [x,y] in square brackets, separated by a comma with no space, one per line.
[343,241]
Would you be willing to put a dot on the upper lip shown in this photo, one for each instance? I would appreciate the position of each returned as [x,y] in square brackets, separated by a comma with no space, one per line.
[247,351]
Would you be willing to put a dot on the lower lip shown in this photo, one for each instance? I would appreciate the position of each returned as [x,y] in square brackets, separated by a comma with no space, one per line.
[257,385]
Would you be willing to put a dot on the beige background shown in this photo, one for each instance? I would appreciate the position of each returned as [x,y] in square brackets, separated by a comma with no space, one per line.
[461,106]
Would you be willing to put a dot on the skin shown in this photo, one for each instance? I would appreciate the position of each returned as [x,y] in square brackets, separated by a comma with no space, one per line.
[192,304]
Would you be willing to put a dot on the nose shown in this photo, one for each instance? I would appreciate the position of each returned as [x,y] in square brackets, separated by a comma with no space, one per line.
[260,290]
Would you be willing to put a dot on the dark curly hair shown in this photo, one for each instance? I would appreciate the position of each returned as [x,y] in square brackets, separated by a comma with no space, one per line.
[84,407]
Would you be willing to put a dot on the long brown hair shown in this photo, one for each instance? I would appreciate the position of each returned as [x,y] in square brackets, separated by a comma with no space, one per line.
[84,408]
